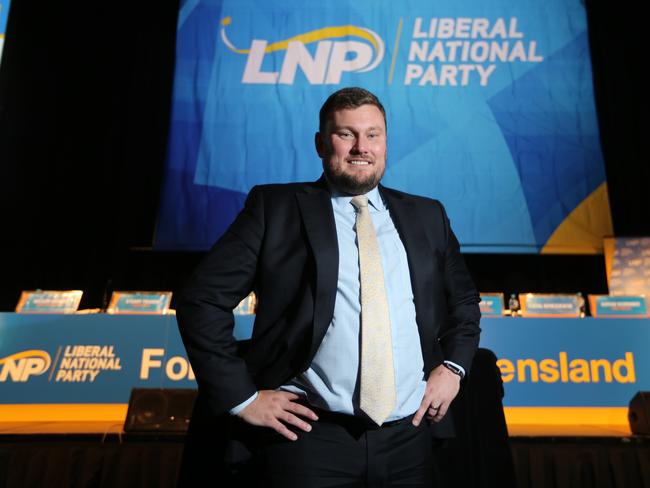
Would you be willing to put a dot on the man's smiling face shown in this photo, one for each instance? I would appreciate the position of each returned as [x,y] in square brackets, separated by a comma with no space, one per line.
[353,149]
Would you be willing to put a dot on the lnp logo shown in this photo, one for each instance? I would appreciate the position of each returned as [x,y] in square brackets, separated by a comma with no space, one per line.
[330,60]
[22,365]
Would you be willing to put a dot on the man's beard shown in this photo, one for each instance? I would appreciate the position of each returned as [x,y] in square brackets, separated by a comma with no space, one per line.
[350,184]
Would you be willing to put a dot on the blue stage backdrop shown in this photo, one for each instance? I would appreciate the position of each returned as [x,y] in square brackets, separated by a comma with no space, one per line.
[490,109]
[4,13]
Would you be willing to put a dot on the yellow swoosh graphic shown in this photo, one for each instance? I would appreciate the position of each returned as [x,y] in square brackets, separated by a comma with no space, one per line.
[29,354]
[311,36]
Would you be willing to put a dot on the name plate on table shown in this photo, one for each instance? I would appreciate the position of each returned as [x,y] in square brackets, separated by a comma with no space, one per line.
[491,304]
[49,301]
[550,305]
[140,302]
[618,306]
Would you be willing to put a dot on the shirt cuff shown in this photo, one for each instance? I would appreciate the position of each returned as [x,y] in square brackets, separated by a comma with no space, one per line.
[243,405]
[456,365]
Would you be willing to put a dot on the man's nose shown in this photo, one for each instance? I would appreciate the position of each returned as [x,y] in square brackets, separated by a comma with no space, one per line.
[360,145]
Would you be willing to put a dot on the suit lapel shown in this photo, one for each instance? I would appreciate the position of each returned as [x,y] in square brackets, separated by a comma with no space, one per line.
[318,218]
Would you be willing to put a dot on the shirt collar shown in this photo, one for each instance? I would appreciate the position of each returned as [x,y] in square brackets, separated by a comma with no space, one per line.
[343,202]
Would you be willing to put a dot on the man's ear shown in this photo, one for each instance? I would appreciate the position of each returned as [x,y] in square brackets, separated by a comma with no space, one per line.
[320,144]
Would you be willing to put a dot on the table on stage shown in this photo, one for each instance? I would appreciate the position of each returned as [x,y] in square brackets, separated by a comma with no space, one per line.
[74,373]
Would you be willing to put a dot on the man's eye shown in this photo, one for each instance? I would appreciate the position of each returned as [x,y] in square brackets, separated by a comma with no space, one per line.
[345,134]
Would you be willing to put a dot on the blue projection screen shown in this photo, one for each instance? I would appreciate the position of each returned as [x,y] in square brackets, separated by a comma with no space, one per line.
[4,14]
[490,109]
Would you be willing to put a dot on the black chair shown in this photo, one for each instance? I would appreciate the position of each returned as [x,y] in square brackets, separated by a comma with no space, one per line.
[479,456]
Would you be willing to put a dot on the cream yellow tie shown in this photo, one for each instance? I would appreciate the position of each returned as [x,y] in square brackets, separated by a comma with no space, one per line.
[377,393]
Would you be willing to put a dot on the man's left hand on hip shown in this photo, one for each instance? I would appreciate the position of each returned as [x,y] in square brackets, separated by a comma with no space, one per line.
[442,387]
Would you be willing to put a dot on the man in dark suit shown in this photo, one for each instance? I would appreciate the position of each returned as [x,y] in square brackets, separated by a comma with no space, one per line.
[367,318]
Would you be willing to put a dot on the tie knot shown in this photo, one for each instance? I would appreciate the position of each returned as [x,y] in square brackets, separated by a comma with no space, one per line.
[360,201]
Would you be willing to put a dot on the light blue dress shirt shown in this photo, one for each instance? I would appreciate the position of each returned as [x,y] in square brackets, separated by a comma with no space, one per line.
[332,380]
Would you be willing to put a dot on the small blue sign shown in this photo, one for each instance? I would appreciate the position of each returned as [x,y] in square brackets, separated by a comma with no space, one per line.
[491,304]
[140,302]
[618,306]
[540,305]
[47,301]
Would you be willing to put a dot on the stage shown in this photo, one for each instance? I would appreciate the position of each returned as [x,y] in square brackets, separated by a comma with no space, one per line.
[82,458]
[66,381]
[85,446]
[108,419]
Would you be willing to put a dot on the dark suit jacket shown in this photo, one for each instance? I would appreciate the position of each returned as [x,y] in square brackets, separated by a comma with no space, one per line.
[283,245]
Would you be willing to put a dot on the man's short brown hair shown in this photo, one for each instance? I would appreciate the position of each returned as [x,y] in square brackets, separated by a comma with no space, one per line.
[347,98]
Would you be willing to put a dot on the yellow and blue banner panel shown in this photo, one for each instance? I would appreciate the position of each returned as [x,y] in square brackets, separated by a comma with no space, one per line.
[97,359]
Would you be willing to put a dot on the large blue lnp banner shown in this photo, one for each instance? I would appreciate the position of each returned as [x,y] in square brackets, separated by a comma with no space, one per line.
[490,109]
[4,13]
